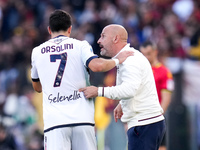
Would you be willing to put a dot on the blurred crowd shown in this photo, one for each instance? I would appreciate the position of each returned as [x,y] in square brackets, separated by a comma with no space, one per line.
[173,24]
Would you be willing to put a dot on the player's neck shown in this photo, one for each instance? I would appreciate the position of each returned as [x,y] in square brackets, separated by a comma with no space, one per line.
[154,63]
[56,34]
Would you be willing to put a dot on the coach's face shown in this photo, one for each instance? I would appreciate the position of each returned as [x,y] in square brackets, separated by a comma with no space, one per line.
[105,42]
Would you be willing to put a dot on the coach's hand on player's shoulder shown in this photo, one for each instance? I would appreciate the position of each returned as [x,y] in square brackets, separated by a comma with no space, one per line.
[123,55]
[90,91]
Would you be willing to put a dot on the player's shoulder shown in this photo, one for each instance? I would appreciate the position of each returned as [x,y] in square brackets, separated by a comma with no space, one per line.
[80,44]
[84,42]
[78,41]
[164,68]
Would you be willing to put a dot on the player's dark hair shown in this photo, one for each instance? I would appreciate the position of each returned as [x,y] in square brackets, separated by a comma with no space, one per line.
[149,43]
[59,21]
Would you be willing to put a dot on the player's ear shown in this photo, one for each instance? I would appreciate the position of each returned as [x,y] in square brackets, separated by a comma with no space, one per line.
[69,30]
[49,30]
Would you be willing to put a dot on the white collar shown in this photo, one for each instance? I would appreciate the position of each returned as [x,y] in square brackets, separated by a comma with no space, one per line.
[126,47]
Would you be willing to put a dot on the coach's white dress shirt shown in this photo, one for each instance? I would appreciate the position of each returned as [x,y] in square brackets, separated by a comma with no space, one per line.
[136,90]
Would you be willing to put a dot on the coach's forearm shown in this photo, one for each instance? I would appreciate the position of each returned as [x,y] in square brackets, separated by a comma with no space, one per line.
[123,91]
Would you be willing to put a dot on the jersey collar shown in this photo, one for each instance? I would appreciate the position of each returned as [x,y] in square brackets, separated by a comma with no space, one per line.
[59,36]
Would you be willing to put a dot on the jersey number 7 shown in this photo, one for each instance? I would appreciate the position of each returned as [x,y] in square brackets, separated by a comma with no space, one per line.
[59,74]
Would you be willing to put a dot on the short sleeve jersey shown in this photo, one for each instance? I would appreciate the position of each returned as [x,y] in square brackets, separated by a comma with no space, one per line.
[163,79]
[60,65]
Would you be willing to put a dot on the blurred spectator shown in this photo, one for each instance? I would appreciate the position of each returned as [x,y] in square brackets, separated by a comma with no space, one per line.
[35,141]
[7,140]
[183,9]
[191,92]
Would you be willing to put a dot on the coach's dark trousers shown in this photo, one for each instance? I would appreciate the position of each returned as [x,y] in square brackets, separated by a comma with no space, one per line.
[147,137]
